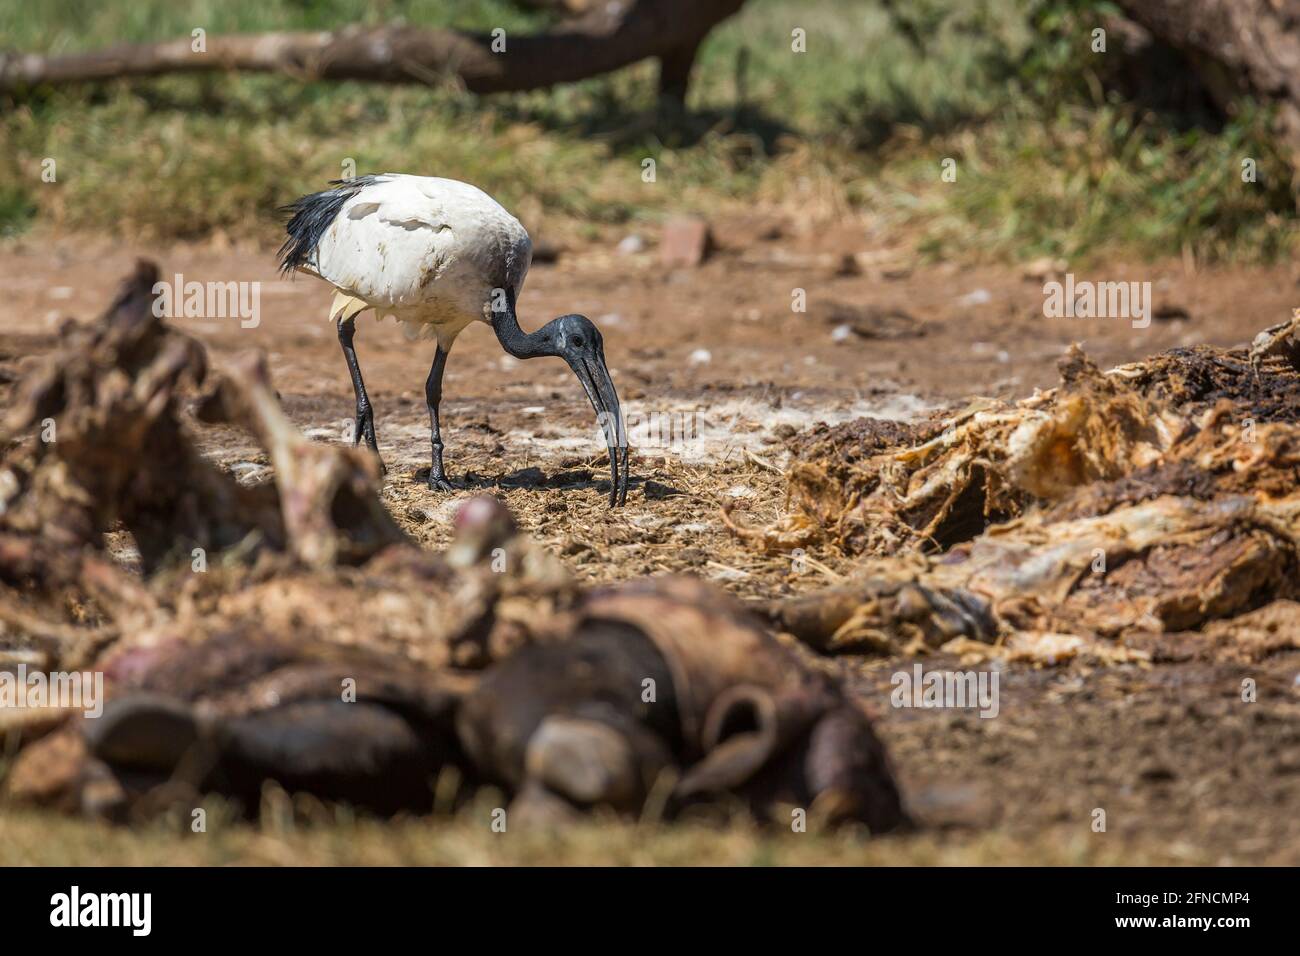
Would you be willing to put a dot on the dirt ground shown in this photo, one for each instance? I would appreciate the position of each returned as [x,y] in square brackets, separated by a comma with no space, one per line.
[723,369]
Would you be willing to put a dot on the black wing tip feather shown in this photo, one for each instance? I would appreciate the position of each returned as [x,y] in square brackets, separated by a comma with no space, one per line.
[309,216]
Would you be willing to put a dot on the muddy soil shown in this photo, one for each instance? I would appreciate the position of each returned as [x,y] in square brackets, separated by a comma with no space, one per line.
[716,370]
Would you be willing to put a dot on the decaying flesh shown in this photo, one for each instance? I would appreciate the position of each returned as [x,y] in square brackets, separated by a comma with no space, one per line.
[290,633]
[720,708]
[1150,500]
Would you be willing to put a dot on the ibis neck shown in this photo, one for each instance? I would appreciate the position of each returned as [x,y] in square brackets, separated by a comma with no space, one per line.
[516,342]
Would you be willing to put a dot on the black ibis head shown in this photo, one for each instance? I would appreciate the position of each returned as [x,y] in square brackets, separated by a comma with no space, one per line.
[576,339]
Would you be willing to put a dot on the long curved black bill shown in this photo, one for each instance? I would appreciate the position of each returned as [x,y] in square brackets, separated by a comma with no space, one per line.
[594,376]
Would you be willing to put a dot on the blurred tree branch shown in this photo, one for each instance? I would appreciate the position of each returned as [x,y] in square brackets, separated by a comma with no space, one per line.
[607,37]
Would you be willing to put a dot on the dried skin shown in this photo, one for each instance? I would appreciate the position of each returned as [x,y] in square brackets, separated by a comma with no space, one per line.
[1282,340]
[327,495]
[940,485]
[666,681]
[98,440]
[1154,499]
[1163,565]
[120,454]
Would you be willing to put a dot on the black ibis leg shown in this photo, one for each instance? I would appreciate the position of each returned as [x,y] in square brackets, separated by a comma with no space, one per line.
[433,398]
[364,426]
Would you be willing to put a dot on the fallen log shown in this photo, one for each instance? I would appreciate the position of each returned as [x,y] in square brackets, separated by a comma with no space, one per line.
[607,37]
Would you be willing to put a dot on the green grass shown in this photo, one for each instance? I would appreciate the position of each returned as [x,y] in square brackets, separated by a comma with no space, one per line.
[1045,163]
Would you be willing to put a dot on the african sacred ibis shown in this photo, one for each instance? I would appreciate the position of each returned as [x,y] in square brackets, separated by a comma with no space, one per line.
[437,255]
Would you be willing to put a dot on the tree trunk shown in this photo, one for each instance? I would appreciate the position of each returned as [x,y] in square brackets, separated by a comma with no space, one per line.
[1236,46]
[608,38]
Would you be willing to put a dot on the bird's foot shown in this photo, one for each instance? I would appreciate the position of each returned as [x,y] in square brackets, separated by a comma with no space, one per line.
[443,484]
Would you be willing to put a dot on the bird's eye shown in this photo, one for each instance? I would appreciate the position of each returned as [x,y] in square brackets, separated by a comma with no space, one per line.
[577,341]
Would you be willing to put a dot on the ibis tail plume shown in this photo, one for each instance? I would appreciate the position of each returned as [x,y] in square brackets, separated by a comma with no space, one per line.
[438,255]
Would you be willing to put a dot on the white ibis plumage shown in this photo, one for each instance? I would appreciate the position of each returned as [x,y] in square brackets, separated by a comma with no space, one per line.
[437,255]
